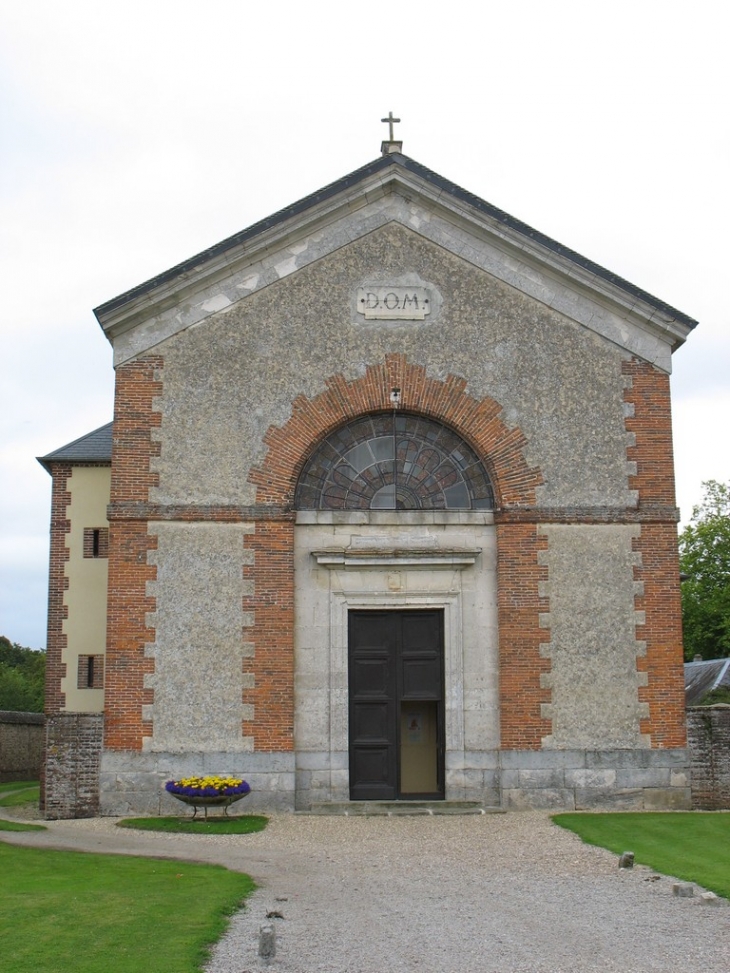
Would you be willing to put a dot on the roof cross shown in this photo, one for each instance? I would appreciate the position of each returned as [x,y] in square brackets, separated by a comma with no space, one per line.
[391,121]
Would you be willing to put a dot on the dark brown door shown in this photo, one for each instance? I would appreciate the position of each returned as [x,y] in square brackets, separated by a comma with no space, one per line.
[396,680]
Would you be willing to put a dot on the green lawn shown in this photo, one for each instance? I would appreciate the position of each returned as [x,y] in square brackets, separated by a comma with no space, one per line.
[28,794]
[20,826]
[215,824]
[692,845]
[95,913]
[16,794]
[17,785]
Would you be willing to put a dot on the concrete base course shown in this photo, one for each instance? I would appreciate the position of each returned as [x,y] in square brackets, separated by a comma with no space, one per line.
[133,783]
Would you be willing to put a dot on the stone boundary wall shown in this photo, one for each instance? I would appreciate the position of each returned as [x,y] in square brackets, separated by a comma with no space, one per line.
[73,755]
[708,738]
[21,745]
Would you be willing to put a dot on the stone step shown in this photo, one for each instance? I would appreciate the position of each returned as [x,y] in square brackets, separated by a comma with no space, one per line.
[400,808]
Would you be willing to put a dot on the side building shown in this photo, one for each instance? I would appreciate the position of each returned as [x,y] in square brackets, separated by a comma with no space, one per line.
[77,621]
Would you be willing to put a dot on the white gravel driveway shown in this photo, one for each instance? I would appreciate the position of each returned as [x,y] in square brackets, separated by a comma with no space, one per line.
[504,893]
[489,894]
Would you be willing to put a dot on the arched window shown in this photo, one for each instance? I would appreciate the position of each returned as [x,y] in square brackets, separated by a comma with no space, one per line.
[394,461]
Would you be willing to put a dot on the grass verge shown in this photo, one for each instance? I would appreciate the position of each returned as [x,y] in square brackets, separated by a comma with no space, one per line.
[95,913]
[20,826]
[17,785]
[220,824]
[30,794]
[692,845]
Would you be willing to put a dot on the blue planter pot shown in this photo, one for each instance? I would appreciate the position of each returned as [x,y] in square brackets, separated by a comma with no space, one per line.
[223,800]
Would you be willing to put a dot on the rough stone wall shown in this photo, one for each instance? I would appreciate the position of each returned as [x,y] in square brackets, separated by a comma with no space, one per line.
[592,650]
[708,738]
[72,760]
[21,745]
[197,682]
[228,381]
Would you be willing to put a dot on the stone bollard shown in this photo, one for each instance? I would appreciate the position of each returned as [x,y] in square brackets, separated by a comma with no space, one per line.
[626,860]
[709,898]
[683,890]
[267,941]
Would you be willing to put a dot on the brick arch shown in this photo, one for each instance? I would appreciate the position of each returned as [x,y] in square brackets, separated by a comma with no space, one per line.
[477,420]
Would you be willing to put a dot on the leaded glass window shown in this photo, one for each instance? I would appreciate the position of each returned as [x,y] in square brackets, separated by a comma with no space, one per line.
[394,461]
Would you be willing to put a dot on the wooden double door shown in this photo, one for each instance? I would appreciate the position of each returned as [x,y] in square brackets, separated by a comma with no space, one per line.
[396,708]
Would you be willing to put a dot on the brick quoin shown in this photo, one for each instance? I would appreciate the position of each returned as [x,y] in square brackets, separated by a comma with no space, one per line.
[651,423]
[662,632]
[137,386]
[519,606]
[55,700]
[514,482]
[272,696]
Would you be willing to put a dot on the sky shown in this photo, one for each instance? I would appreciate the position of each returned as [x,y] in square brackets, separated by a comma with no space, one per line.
[134,135]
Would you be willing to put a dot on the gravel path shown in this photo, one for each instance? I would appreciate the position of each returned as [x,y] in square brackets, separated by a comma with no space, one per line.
[488,894]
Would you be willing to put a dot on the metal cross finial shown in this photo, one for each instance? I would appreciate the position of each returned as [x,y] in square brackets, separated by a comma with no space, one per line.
[391,121]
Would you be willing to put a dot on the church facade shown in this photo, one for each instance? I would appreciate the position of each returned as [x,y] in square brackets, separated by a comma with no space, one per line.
[386,512]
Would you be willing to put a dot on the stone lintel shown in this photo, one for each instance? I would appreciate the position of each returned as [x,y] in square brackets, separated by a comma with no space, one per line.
[358,558]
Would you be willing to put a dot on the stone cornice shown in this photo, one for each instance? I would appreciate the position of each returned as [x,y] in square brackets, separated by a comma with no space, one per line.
[422,202]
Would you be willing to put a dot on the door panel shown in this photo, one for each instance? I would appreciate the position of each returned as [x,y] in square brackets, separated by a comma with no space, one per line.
[372,676]
[396,704]
[421,679]
[372,721]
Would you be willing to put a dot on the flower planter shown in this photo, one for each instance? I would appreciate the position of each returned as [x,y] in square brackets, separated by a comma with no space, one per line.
[209,791]
[224,801]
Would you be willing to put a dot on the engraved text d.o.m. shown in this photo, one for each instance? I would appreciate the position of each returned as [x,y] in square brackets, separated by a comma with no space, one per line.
[393,303]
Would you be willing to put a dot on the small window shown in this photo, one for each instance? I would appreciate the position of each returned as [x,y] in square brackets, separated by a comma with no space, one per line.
[96,542]
[91,672]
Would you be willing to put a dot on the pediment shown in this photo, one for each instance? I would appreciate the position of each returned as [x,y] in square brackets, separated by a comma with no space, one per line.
[393,189]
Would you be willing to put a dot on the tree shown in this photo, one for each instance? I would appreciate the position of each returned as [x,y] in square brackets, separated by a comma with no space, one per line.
[704,556]
[22,677]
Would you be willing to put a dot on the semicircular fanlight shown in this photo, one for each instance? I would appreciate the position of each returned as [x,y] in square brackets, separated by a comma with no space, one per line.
[394,462]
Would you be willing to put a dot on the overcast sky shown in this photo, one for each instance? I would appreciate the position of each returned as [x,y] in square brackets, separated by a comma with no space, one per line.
[133,135]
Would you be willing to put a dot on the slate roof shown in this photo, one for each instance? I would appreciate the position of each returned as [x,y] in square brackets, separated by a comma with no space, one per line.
[373,168]
[702,677]
[94,447]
